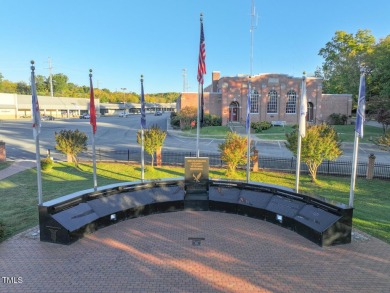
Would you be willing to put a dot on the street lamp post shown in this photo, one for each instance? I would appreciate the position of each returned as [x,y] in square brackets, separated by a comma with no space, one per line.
[124,103]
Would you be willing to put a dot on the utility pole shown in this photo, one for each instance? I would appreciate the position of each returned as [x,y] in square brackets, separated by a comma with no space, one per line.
[185,87]
[252,29]
[248,105]
[51,79]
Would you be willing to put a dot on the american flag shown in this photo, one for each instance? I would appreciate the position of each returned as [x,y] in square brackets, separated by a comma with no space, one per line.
[35,107]
[361,109]
[92,110]
[143,114]
[202,54]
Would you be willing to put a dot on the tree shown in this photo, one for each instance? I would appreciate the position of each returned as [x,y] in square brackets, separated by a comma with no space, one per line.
[71,143]
[344,55]
[1,81]
[233,151]
[153,140]
[60,83]
[379,62]
[378,102]
[23,88]
[320,143]
[8,87]
[42,85]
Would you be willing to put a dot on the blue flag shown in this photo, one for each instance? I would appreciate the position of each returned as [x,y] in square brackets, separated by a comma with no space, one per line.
[248,110]
[361,109]
[143,114]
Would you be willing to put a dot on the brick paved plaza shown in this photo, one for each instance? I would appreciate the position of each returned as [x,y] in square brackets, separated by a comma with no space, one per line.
[153,254]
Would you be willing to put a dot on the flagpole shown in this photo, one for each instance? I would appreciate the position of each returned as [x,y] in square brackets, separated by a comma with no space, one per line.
[298,166]
[39,175]
[360,116]
[143,125]
[248,132]
[36,131]
[94,162]
[248,107]
[301,131]
[354,169]
[142,156]
[201,72]
[92,113]
[198,122]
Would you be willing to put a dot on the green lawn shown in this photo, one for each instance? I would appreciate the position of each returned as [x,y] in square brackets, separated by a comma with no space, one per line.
[18,195]
[4,165]
[210,131]
[346,133]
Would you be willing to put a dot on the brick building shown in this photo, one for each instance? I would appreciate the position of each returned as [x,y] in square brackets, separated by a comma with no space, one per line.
[275,97]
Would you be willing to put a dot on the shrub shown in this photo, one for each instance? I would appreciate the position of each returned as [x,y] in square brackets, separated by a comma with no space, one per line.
[384,139]
[260,126]
[175,121]
[211,120]
[338,119]
[47,164]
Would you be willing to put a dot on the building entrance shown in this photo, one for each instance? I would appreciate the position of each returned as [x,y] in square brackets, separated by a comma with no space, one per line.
[234,112]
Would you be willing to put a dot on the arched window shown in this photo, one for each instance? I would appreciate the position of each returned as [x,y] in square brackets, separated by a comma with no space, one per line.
[310,112]
[291,105]
[272,106]
[254,101]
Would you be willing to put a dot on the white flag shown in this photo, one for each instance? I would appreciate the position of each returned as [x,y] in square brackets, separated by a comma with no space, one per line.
[303,110]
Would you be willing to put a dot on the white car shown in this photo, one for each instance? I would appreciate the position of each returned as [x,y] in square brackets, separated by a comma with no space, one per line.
[123,114]
[84,116]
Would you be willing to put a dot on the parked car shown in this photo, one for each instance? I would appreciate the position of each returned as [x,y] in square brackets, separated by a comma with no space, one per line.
[158,113]
[47,117]
[84,116]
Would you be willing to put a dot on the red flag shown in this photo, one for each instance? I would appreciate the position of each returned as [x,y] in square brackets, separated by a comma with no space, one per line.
[202,54]
[92,110]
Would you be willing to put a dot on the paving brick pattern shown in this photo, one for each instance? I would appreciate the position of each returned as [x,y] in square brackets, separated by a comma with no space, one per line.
[154,254]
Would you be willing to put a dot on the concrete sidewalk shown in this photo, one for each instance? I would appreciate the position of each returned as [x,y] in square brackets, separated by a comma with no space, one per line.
[16,167]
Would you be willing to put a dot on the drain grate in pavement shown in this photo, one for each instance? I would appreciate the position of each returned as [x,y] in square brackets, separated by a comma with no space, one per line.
[196,241]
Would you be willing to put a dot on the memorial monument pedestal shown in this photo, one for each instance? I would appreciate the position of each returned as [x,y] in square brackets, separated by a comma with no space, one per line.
[196,184]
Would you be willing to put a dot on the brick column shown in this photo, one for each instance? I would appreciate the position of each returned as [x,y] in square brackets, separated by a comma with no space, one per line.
[370,166]
[255,159]
[158,158]
[3,156]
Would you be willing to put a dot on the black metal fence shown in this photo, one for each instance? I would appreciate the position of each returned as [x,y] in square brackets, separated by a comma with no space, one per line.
[337,168]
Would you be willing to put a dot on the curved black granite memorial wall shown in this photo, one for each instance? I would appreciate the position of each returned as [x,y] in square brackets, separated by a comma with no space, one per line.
[68,218]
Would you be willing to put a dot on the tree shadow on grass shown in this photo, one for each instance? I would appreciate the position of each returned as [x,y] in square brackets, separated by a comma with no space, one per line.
[159,172]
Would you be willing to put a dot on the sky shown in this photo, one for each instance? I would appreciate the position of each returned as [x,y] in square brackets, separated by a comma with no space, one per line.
[122,39]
